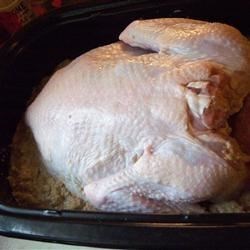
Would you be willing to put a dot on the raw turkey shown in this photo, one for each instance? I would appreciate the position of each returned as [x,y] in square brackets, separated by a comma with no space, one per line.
[141,125]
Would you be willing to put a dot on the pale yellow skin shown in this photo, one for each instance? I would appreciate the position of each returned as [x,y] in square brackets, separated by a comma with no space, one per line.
[146,129]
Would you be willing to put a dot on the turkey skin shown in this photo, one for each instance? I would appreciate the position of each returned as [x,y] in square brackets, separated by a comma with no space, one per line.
[140,125]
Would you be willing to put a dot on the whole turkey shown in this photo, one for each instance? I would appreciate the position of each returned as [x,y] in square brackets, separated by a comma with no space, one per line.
[141,125]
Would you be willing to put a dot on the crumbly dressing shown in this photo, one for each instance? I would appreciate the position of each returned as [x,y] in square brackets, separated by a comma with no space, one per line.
[32,185]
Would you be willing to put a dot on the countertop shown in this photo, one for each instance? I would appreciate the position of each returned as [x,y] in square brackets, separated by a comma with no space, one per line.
[18,244]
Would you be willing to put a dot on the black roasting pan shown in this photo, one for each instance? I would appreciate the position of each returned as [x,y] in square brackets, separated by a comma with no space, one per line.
[64,34]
